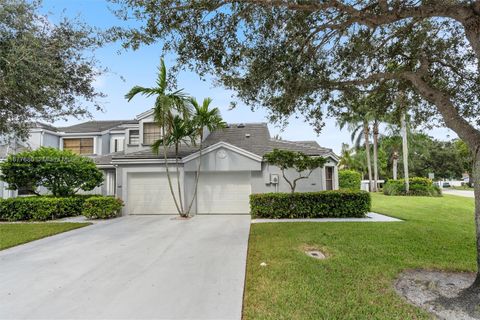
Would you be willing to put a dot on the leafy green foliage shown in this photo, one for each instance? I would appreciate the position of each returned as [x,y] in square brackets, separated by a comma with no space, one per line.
[464,154]
[418,187]
[446,159]
[298,161]
[349,179]
[40,208]
[49,208]
[46,69]
[63,173]
[323,204]
[102,207]
[325,54]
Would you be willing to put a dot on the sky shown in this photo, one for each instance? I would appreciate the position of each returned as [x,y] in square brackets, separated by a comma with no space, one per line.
[129,68]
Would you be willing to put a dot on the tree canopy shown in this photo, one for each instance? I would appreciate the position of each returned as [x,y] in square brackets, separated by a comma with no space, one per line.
[63,173]
[298,161]
[46,69]
[294,56]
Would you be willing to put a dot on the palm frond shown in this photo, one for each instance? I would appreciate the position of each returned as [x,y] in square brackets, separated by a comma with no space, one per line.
[140,90]
[162,77]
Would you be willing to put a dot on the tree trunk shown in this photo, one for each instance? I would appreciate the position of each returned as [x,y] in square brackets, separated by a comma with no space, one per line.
[366,132]
[165,157]
[395,165]
[375,155]
[197,175]
[476,182]
[180,200]
[403,124]
[292,186]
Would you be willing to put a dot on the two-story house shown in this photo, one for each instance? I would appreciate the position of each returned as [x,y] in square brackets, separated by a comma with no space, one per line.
[232,165]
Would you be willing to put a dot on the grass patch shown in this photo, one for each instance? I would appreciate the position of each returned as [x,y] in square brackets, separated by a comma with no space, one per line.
[355,282]
[13,234]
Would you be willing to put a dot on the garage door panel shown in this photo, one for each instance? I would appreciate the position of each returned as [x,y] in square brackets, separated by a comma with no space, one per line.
[149,193]
[224,193]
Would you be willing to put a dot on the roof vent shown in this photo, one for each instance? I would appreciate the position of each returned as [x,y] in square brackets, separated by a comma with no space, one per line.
[241,125]
[247,135]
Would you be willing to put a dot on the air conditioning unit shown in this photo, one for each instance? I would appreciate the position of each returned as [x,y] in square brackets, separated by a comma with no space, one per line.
[274,178]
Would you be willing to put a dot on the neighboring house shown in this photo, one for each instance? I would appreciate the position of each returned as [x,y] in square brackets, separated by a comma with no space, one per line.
[231,166]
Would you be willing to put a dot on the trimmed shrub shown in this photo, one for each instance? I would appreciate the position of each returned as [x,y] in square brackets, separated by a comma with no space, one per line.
[41,208]
[349,179]
[101,207]
[323,204]
[418,187]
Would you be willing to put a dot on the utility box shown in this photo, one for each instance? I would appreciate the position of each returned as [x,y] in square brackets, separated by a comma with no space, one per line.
[274,178]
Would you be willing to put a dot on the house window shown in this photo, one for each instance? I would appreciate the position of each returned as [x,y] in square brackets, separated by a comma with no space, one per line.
[79,146]
[329,178]
[151,133]
[25,190]
[134,137]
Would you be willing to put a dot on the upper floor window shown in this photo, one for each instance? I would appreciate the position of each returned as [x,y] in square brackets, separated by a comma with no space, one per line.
[79,145]
[151,133]
[134,137]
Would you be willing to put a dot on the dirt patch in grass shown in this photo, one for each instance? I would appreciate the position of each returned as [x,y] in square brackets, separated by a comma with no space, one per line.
[438,292]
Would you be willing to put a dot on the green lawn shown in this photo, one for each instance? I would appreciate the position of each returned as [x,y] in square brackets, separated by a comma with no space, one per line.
[355,282]
[12,234]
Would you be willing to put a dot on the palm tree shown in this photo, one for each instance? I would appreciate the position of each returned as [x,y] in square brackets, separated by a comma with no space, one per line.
[345,157]
[360,128]
[181,132]
[375,153]
[166,105]
[203,118]
[403,126]
[392,144]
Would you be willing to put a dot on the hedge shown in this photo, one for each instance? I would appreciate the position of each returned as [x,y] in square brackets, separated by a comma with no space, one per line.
[102,207]
[418,187]
[41,208]
[349,179]
[323,204]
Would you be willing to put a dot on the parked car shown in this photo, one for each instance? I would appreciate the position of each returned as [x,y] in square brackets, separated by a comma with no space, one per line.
[446,185]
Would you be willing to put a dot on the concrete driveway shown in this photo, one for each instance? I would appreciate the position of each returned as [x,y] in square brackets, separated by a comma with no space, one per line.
[142,267]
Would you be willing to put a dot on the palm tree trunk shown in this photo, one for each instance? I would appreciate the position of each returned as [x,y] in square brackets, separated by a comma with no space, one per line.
[366,132]
[375,155]
[197,175]
[165,157]
[178,181]
[395,165]
[403,124]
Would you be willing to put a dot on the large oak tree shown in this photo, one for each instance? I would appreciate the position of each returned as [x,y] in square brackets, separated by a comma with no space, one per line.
[47,70]
[306,56]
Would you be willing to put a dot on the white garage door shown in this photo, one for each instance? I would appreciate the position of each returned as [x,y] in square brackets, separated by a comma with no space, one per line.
[224,193]
[149,193]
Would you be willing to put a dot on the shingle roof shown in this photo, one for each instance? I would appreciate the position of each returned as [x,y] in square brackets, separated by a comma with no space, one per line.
[252,137]
[95,126]
[148,153]
[41,125]
[105,159]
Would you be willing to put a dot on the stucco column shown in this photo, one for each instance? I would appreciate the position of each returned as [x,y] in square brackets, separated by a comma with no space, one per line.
[335,178]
